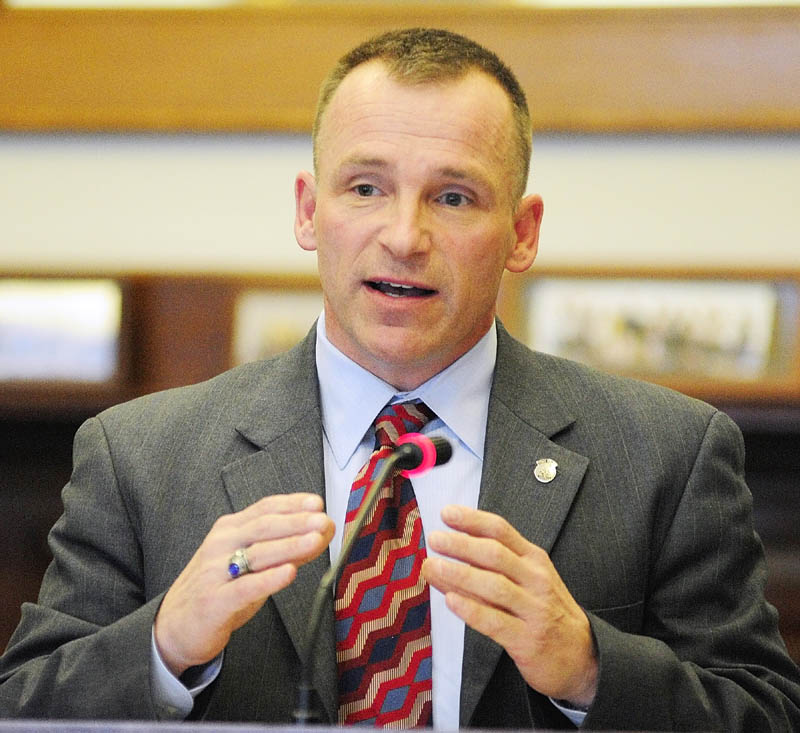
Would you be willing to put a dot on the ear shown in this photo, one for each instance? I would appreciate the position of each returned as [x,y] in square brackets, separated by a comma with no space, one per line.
[305,199]
[527,222]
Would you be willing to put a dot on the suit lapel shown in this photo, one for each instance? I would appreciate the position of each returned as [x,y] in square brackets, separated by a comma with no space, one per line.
[523,416]
[285,427]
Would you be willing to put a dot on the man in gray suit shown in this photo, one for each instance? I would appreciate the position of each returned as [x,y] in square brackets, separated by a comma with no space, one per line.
[592,556]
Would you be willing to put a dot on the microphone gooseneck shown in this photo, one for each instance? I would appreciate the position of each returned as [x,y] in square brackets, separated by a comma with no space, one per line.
[414,454]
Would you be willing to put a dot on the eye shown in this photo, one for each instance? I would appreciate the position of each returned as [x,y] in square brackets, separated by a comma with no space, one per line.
[452,198]
[365,189]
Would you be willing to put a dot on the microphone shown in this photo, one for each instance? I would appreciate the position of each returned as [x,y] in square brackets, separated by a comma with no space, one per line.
[414,454]
[418,453]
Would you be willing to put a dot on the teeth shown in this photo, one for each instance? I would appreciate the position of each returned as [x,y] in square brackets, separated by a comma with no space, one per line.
[396,290]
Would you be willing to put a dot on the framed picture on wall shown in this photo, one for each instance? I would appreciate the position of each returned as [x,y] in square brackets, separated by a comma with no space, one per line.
[269,320]
[60,330]
[692,328]
[65,343]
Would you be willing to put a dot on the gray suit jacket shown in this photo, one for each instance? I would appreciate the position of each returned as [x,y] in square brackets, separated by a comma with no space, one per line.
[648,521]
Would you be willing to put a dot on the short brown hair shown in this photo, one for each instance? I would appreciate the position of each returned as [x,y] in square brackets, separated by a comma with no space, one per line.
[427,55]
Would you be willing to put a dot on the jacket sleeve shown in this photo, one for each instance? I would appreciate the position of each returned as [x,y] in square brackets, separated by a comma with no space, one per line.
[709,655]
[93,621]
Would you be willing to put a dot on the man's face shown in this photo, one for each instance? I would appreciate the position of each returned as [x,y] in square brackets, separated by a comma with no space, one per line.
[412,218]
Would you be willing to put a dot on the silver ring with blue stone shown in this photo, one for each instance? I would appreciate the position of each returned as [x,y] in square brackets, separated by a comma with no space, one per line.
[238,564]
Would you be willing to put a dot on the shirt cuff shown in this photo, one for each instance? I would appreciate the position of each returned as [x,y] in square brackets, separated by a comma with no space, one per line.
[174,696]
[575,715]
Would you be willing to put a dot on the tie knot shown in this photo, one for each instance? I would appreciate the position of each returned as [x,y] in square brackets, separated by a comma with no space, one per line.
[396,420]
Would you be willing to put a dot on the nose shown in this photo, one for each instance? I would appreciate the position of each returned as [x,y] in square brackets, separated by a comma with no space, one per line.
[405,232]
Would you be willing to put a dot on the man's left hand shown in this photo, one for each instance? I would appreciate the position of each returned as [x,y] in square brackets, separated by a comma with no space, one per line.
[508,589]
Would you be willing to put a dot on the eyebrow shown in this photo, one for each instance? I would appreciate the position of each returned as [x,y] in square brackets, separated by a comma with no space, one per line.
[461,174]
[357,161]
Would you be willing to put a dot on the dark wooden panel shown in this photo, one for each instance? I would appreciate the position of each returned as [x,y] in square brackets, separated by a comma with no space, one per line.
[184,330]
[35,461]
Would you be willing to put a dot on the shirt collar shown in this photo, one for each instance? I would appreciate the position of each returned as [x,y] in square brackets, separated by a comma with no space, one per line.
[351,396]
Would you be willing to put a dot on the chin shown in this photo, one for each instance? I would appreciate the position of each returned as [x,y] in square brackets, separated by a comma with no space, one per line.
[407,369]
[398,343]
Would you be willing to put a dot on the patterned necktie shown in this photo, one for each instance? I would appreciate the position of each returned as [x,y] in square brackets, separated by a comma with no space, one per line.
[383,615]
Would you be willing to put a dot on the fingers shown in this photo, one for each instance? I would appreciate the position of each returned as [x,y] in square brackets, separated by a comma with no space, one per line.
[490,588]
[277,529]
[280,504]
[271,540]
[497,569]
[247,594]
[487,541]
[478,523]
[504,628]
[275,516]
[205,605]
[478,553]
[508,589]
[296,549]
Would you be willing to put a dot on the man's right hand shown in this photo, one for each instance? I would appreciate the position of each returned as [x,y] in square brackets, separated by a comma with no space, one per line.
[205,605]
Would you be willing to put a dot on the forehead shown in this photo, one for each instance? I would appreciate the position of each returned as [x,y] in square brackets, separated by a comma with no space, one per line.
[468,118]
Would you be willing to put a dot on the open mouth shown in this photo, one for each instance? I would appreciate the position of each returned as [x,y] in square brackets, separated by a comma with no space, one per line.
[397,290]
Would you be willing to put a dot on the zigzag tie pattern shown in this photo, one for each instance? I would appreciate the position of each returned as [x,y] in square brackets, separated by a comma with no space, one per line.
[382,607]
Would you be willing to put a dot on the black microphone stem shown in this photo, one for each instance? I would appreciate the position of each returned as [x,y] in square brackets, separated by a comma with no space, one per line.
[303,713]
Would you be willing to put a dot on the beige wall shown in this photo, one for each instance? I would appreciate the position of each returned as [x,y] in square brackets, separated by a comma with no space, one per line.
[208,203]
